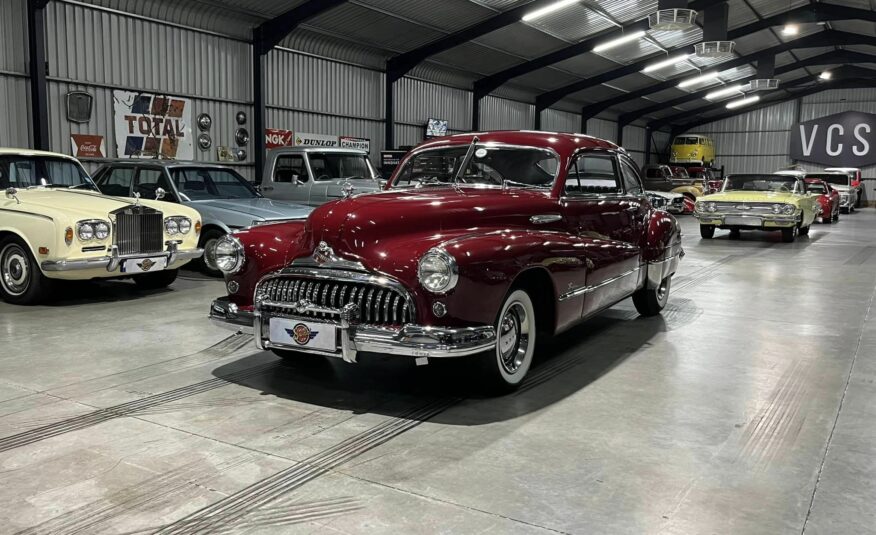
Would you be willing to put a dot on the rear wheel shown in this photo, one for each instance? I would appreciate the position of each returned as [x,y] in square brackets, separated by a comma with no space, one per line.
[789,234]
[650,301]
[504,367]
[836,215]
[157,280]
[707,232]
[21,280]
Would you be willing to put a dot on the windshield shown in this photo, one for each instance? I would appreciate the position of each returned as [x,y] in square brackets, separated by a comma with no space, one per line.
[202,183]
[523,167]
[654,172]
[831,178]
[776,183]
[680,173]
[686,140]
[31,171]
[329,166]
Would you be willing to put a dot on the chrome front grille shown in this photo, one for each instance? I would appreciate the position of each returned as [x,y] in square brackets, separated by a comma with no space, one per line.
[139,230]
[752,208]
[378,304]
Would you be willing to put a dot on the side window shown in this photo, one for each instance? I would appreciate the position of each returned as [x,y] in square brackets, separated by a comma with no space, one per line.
[290,168]
[631,179]
[149,180]
[116,181]
[593,174]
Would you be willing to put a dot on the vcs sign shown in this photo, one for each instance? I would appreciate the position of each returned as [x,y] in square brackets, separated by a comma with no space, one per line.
[842,140]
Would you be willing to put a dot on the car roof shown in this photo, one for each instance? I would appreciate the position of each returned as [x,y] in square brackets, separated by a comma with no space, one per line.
[563,143]
[300,149]
[164,163]
[28,152]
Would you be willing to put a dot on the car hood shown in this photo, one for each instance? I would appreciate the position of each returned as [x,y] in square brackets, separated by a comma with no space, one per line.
[77,203]
[666,195]
[752,196]
[385,229]
[258,208]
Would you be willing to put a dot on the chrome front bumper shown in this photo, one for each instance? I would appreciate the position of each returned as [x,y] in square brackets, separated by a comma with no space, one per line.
[748,220]
[408,340]
[112,261]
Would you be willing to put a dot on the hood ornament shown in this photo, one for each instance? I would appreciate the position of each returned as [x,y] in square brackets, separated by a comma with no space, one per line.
[324,257]
[347,189]
[136,198]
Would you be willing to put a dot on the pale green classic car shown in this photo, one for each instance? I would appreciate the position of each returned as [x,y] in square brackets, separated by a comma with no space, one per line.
[758,202]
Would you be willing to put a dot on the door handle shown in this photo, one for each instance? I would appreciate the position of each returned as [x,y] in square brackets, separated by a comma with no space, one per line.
[268,188]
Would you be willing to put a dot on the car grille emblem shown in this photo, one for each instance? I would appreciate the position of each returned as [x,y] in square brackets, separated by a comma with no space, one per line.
[323,253]
[146,265]
[743,207]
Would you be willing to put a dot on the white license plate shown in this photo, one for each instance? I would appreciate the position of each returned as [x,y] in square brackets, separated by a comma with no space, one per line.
[303,334]
[743,221]
[144,265]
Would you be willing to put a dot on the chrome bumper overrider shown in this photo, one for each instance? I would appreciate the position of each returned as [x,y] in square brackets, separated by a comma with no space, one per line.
[408,340]
[112,261]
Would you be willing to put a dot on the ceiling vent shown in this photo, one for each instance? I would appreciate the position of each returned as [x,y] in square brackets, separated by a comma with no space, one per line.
[764,84]
[672,19]
[714,49]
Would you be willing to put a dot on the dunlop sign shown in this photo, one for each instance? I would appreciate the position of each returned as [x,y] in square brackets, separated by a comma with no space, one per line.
[842,140]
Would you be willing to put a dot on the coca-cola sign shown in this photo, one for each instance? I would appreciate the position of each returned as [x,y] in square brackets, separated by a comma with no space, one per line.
[87,146]
[845,139]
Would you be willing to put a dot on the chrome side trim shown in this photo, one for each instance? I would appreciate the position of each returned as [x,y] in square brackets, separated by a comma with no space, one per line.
[587,289]
[542,219]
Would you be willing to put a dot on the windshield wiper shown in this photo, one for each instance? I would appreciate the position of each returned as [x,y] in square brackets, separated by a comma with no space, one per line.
[74,186]
[524,185]
[466,160]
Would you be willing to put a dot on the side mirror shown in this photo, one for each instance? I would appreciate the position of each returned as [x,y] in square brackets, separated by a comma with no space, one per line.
[160,194]
[11,193]
[296,180]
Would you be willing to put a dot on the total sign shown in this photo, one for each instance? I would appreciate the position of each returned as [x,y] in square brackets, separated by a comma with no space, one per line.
[842,140]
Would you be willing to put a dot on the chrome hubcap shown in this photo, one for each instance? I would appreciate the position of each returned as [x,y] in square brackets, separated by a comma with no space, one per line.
[663,290]
[15,270]
[513,344]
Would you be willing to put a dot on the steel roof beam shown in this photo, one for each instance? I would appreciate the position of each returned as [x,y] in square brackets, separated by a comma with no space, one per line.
[265,37]
[845,72]
[828,58]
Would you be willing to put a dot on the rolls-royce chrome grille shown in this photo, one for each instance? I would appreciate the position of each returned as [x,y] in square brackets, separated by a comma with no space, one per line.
[139,230]
[378,305]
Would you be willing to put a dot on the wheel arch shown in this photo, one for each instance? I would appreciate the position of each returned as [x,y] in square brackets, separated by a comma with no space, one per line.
[538,283]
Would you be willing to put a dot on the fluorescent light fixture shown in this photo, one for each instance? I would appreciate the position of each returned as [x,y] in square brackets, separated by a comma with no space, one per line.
[666,63]
[619,41]
[826,75]
[699,79]
[725,91]
[556,6]
[742,102]
[790,29]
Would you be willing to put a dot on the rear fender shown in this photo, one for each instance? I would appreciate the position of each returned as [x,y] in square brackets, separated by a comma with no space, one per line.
[662,247]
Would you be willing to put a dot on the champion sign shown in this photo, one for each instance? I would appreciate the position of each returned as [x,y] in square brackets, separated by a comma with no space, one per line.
[842,140]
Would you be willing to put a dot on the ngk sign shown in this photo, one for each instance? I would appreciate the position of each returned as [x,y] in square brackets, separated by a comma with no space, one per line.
[841,140]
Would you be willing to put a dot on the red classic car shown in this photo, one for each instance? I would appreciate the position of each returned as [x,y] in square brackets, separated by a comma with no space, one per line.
[828,199]
[712,183]
[480,245]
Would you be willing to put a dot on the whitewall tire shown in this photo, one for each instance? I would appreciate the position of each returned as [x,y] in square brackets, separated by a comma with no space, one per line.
[506,366]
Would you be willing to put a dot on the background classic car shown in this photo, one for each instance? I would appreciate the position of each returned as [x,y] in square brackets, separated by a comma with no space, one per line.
[316,175]
[842,183]
[692,149]
[225,200]
[828,199]
[758,202]
[480,245]
[55,224]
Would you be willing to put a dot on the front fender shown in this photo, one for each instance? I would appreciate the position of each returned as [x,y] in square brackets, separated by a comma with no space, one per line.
[690,190]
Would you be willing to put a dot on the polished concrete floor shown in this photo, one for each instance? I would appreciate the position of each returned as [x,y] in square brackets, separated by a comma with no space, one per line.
[748,407]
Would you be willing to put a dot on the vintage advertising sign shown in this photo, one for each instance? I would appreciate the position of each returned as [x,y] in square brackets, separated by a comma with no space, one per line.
[153,126]
[362,143]
[277,137]
[389,160]
[315,140]
[88,146]
[845,139]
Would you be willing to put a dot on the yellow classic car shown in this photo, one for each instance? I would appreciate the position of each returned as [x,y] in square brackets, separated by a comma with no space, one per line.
[693,149]
[758,202]
[55,224]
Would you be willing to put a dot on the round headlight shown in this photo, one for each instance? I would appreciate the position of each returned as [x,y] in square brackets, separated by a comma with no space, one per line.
[777,208]
[437,271]
[789,209]
[171,226]
[86,231]
[185,225]
[711,207]
[228,253]
[101,231]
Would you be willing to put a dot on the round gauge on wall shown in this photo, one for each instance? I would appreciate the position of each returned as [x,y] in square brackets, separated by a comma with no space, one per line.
[241,136]
[241,117]
[240,154]
[205,141]
[204,122]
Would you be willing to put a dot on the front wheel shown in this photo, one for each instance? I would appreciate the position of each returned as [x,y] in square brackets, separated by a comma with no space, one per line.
[21,280]
[789,234]
[707,232]
[650,301]
[157,280]
[804,231]
[735,234]
[504,367]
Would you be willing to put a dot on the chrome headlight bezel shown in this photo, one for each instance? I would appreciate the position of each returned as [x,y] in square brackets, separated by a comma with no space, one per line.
[87,230]
[789,209]
[231,248]
[174,225]
[438,261]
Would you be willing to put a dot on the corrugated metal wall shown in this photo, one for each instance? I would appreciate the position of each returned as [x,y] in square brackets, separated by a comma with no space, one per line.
[14,85]
[503,114]
[560,121]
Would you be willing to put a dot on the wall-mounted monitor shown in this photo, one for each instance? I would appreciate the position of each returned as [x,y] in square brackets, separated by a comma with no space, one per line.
[436,128]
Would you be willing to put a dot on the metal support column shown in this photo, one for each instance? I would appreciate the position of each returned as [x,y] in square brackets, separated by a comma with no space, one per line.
[259,114]
[39,95]
[389,112]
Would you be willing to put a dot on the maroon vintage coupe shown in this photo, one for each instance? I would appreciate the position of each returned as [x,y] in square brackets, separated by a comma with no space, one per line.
[828,199]
[480,245]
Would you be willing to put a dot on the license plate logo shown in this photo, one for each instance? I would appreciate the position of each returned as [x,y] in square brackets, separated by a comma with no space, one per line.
[302,334]
[147,264]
